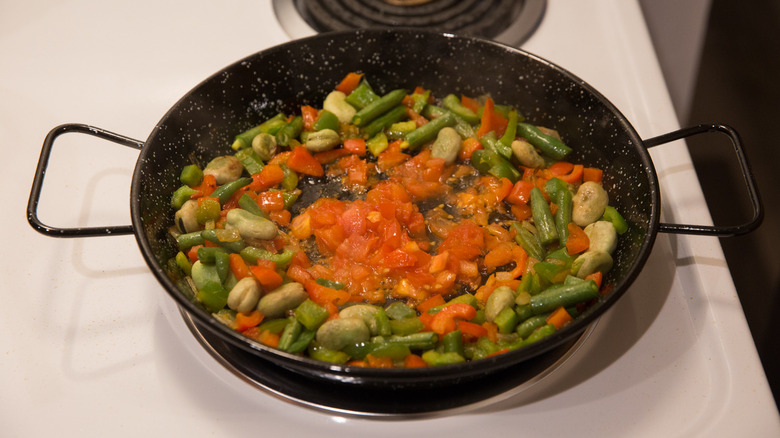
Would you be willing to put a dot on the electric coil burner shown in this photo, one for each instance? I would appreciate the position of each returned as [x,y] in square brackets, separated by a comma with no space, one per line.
[506,21]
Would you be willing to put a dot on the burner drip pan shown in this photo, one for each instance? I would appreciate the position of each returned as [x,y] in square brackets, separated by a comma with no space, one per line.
[507,21]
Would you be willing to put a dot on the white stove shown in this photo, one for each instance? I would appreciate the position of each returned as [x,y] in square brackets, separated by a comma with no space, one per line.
[91,345]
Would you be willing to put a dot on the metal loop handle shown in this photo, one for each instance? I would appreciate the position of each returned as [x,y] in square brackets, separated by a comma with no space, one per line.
[747,174]
[40,172]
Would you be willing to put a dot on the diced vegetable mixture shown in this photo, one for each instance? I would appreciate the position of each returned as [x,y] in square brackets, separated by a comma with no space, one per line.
[452,230]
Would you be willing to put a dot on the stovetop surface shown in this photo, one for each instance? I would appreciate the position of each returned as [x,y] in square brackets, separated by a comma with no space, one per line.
[91,345]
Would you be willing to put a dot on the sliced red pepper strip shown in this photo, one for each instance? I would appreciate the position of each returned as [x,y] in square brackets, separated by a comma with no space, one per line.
[302,161]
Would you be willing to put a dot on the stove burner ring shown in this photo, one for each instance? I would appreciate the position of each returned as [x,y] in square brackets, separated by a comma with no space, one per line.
[506,21]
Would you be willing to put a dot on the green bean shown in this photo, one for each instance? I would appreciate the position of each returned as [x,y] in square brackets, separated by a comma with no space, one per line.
[452,103]
[395,114]
[506,320]
[362,95]
[543,218]
[317,352]
[529,241]
[489,142]
[564,295]
[394,351]
[526,327]
[415,341]
[188,240]
[563,215]
[539,333]
[290,333]
[434,358]
[428,131]
[383,327]
[303,341]
[290,131]
[378,107]
[491,162]
[453,342]
[212,235]
[420,100]
[549,145]
[270,126]
[225,191]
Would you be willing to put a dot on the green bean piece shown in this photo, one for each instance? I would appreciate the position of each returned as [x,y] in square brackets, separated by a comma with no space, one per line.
[428,131]
[182,195]
[377,144]
[539,334]
[433,112]
[251,254]
[452,103]
[222,262]
[549,145]
[415,341]
[362,95]
[394,115]
[290,333]
[452,342]
[191,175]
[406,326]
[434,358]
[492,163]
[303,341]
[612,215]
[290,131]
[290,180]
[490,142]
[398,310]
[529,242]
[383,327]
[213,296]
[225,191]
[212,235]
[327,120]
[523,312]
[378,107]
[551,272]
[554,187]
[270,126]
[525,328]
[247,203]
[188,240]
[250,160]
[563,216]
[511,131]
[564,295]
[543,218]
[506,320]
[183,263]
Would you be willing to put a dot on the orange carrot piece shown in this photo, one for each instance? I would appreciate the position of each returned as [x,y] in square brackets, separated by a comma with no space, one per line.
[248,320]
[238,266]
[430,303]
[559,318]
[414,361]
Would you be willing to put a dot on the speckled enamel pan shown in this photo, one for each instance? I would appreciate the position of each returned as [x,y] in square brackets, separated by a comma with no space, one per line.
[203,123]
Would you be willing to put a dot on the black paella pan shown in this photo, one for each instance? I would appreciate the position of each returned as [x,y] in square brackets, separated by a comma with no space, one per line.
[203,123]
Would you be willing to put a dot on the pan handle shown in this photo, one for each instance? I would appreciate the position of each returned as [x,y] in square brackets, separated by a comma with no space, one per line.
[40,172]
[747,174]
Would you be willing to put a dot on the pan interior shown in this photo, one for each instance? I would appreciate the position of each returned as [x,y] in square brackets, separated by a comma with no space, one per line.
[203,123]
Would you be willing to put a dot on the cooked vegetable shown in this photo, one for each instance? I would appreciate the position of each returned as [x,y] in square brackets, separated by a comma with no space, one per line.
[395,230]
